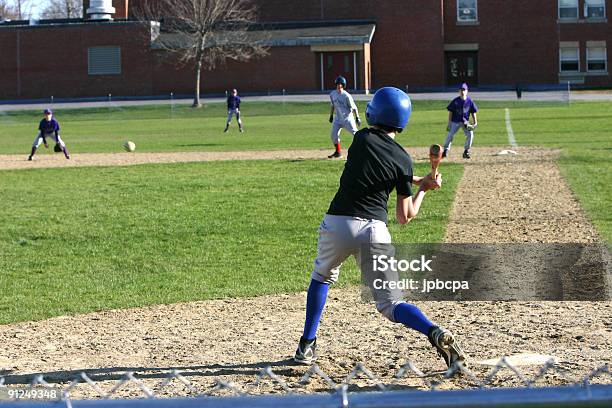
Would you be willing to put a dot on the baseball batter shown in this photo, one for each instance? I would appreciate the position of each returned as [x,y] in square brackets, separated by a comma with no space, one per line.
[48,127]
[459,111]
[357,218]
[233,108]
[346,115]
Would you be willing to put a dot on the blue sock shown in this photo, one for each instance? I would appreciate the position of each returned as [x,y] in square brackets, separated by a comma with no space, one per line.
[315,302]
[411,316]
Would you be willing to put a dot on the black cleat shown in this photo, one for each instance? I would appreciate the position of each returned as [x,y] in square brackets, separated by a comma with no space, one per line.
[466,154]
[446,346]
[335,155]
[305,353]
[445,153]
[29,158]
[226,129]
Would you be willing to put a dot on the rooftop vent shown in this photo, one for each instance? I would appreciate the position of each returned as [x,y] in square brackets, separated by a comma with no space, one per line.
[100,10]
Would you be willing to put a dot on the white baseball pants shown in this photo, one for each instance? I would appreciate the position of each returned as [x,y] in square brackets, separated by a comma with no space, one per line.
[343,236]
[338,125]
[454,128]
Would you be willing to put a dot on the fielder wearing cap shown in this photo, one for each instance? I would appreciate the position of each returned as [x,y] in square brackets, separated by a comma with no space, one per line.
[343,115]
[357,220]
[233,108]
[459,111]
[49,127]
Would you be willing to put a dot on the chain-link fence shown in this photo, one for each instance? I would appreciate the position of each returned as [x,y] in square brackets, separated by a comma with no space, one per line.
[480,389]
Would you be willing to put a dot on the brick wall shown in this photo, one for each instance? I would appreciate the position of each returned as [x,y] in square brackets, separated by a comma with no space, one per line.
[290,68]
[407,48]
[518,41]
[41,61]
[515,44]
[408,45]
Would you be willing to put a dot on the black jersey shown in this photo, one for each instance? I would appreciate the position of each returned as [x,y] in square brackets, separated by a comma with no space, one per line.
[376,165]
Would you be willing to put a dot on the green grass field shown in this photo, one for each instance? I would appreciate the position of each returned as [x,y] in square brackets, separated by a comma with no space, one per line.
[82,239]
[272,126]
[582,130]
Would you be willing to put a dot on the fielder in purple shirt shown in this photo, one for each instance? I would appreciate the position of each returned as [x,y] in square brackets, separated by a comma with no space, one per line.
[459,111]
[49,127]
[233,108]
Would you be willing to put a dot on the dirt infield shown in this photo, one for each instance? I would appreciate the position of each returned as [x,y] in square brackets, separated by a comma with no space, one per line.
[498,201]
[46,160]
[129,159]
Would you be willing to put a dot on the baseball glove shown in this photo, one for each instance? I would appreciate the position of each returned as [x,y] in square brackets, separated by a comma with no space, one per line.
[57,148]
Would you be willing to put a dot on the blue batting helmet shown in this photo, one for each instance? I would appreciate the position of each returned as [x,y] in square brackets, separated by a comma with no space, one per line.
[341,80]
[390,107]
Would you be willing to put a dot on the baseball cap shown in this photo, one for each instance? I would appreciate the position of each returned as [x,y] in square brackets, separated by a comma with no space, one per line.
[46,111]
[463,86]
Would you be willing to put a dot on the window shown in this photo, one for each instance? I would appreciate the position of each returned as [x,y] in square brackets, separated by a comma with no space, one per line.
[470,67]
[467,10]
[453,69]
[569,59]
[104,60]
[594,9]
[568,9]
[596,58]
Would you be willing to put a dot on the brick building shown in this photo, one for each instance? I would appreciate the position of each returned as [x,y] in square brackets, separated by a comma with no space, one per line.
[416,43]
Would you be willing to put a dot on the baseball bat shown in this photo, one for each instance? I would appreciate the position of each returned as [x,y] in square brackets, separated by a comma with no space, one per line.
[435,157]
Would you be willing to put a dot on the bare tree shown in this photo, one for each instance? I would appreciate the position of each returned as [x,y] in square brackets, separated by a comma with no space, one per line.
[14,10]
[20,7]
[7,11]
[63,9]
[205,32]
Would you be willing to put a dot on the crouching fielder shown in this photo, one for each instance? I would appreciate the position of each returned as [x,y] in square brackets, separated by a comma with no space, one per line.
[49,127]
[357,218]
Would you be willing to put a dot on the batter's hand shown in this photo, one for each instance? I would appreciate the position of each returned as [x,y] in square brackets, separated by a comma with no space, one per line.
[46,145]
[439,180]
[429,183]
[331,118]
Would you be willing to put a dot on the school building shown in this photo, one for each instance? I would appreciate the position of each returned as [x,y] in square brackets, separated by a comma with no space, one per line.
[419,44]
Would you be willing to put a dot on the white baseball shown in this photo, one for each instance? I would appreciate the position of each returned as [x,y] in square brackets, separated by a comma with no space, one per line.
[129,146]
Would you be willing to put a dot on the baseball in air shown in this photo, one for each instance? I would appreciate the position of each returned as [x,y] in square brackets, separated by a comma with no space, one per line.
[129,146]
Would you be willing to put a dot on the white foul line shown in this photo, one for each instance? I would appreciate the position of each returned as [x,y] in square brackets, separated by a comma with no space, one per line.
[511,138]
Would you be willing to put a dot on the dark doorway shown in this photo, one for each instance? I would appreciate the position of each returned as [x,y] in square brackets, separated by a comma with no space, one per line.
[338,63]
[461,66]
